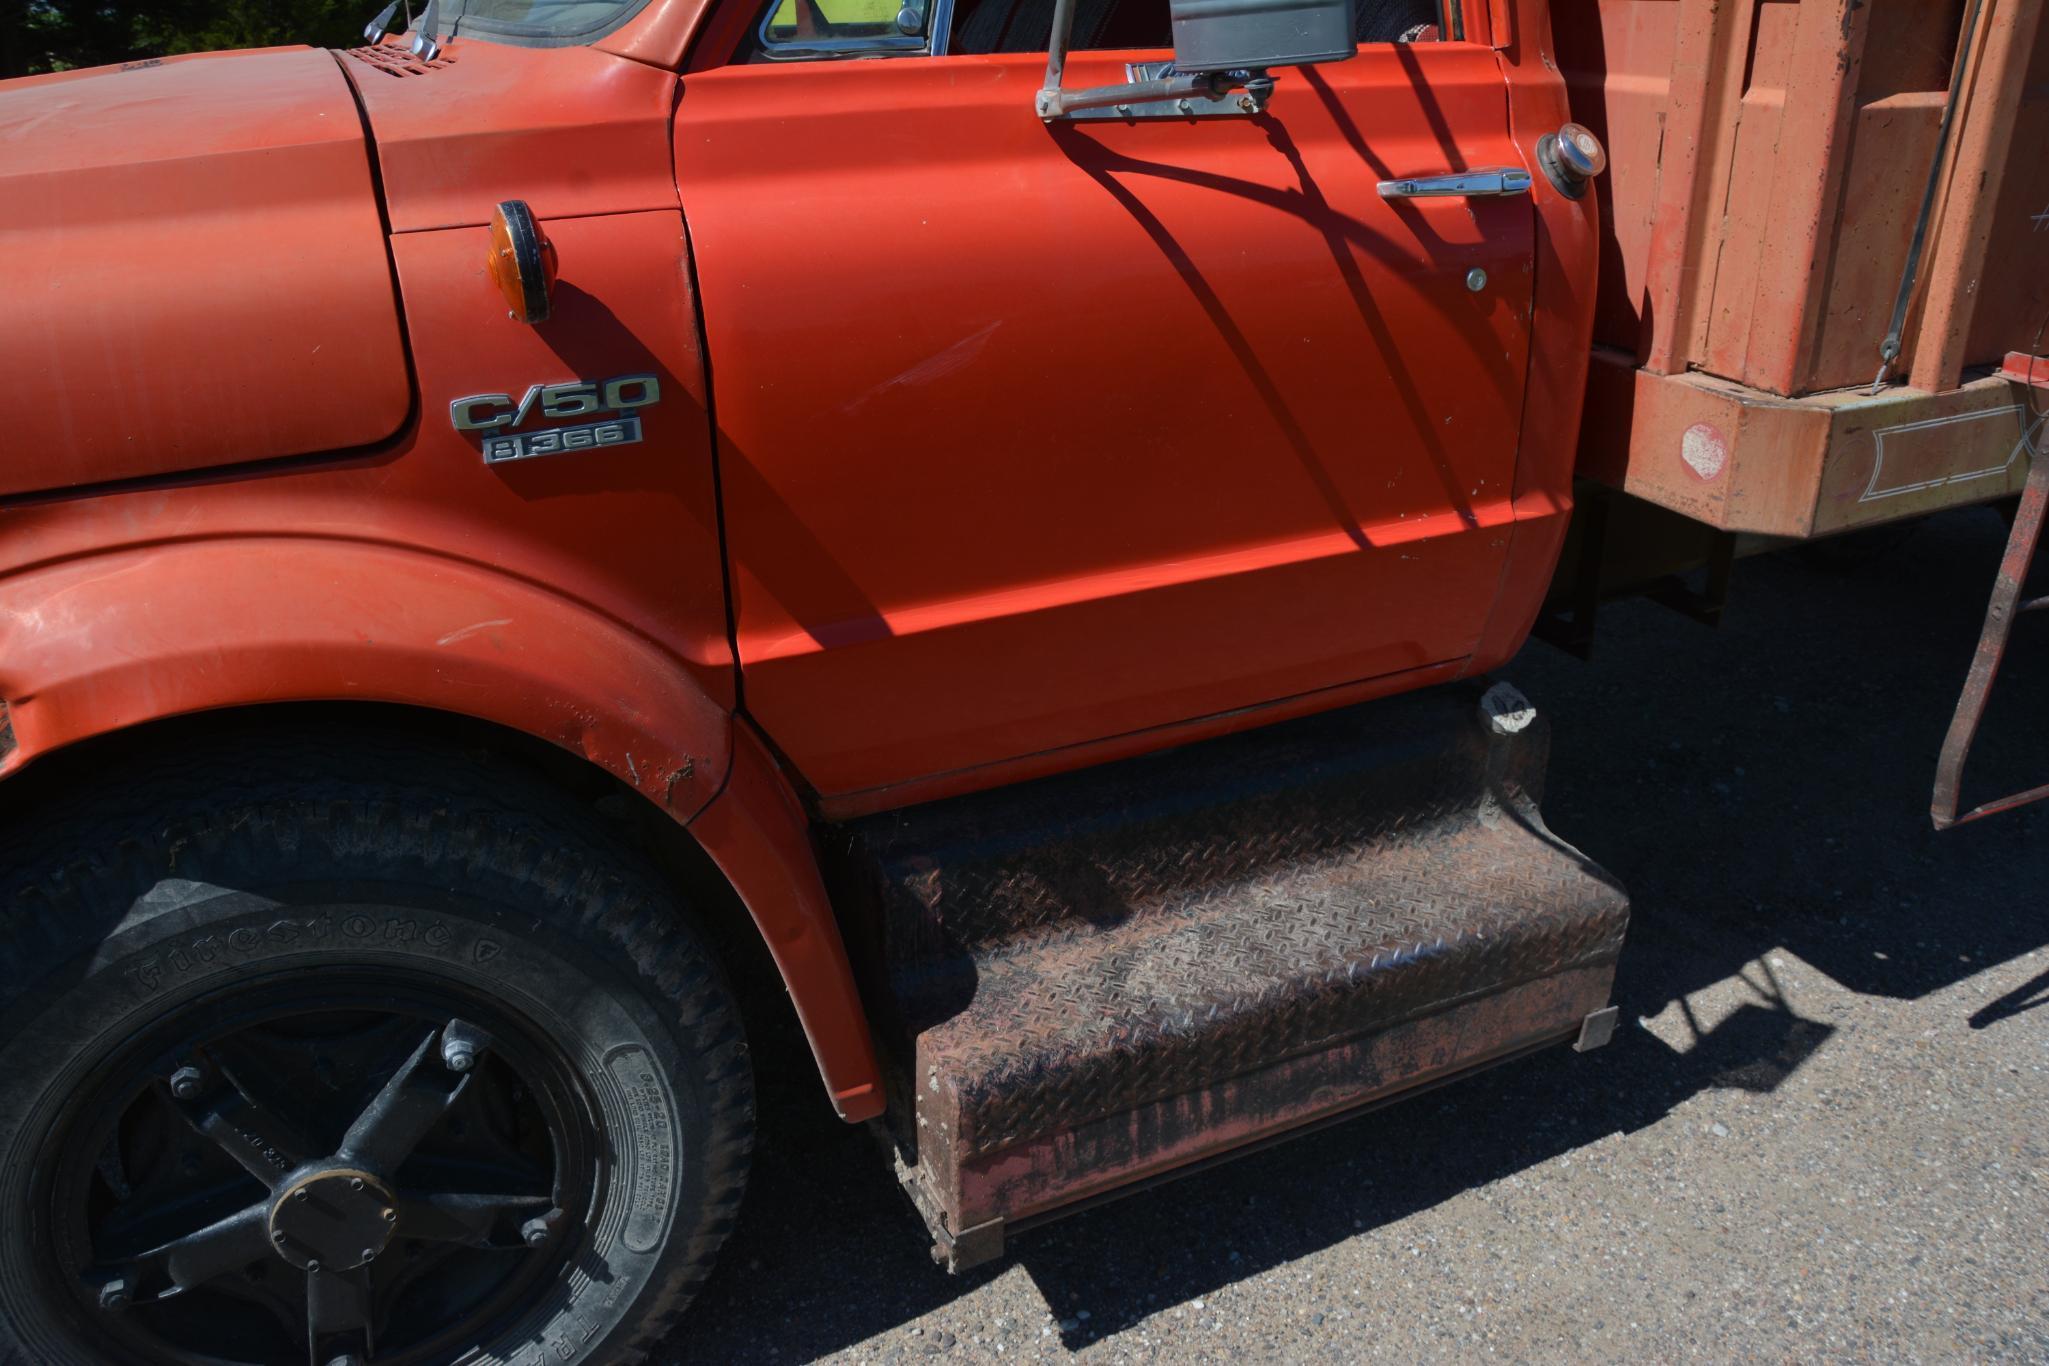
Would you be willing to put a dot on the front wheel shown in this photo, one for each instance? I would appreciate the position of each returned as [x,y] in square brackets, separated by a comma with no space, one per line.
[341,1055]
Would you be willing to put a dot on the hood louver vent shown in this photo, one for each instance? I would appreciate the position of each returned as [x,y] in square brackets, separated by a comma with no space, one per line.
[394,60]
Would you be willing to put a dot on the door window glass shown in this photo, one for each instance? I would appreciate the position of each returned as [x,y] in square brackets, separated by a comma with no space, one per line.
[794,21]
[801,29]
[982,26]
[804,30]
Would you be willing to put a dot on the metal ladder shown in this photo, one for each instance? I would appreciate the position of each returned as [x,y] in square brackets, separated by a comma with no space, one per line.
[2031,374]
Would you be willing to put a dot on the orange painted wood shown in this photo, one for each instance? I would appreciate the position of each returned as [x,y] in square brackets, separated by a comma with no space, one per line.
[1741,460]
[1899,92]
[2015,290]
[1772,157]
[1752,220]
[1768,161]
[1700,132]
[1795,140]
[2008,109]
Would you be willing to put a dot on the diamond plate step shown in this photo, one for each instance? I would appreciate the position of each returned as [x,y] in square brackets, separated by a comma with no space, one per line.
[1096,979]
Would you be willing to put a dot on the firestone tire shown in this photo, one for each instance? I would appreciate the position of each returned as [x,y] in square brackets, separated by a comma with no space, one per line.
[284,925]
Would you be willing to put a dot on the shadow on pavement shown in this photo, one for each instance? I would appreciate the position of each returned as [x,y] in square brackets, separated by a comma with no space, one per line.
[1759,787]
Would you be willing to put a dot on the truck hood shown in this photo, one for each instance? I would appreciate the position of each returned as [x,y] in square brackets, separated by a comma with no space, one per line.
[196,270]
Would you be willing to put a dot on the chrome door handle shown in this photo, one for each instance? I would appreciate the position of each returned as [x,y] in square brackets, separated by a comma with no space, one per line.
[1463,184]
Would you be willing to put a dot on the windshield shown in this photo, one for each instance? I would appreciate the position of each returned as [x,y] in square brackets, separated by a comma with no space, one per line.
[533,23]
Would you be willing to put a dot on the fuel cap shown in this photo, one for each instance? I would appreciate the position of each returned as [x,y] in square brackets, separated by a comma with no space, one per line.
[1581,152]
[1571,157]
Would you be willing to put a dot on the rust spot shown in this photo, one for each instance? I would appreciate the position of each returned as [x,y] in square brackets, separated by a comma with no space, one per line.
[677,775]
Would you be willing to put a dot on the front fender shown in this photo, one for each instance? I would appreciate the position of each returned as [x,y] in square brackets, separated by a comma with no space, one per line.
[98,644]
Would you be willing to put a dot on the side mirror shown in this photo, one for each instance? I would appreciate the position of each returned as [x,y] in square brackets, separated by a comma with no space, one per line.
[1219,46]
[1253,35]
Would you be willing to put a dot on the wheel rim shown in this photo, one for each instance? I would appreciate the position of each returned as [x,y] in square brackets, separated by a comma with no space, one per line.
[381,1168]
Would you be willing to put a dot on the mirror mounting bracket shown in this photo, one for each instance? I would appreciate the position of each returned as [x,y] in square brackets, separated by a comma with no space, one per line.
[1224,53]
[1155,90]
[1167,86]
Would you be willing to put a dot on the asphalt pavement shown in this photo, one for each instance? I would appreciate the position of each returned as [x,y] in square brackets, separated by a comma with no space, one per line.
[1820,1133]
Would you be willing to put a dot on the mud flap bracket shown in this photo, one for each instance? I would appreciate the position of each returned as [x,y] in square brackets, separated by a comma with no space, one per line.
[970,1247]
[1596,1030]
[957,1252]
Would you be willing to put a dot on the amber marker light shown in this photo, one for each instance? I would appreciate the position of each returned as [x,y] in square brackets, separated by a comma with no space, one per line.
[522,262]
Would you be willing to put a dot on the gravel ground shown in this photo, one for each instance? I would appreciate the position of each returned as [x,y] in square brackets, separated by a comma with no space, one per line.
[1820,1133]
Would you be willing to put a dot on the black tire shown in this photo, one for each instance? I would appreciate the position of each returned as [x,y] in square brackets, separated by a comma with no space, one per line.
[304,898]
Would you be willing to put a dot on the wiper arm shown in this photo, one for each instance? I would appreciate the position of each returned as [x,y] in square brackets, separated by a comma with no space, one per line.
[374,31]
[423,45]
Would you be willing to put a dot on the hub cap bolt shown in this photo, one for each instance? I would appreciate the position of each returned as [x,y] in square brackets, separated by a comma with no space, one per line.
[185,1083]
[114,1294]
[461,1042]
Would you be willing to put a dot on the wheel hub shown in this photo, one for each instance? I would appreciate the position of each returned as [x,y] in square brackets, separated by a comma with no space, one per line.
[333,1219]
[381,1126]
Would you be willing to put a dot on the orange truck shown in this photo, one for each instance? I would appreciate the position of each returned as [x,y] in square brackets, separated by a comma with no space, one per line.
[531,546]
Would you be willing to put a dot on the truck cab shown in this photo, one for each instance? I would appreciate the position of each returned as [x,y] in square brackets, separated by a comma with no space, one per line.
[524,517]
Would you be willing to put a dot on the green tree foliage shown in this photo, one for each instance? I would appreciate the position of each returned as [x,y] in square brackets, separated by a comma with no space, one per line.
[53,35]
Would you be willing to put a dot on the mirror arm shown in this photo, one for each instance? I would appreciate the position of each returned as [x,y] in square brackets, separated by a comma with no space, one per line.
[1054,102]
[1056,58]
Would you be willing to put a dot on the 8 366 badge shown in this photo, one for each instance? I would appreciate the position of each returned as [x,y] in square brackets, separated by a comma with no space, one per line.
[588,436]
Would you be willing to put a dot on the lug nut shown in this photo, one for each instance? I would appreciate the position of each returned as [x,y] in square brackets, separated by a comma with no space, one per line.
[114,1294]
[355,1183]
[369,1255]
[535,1231]
[185,1083]
[299,1194]
[313,1266]
[461,1042]
[278,1237]
[390,1216]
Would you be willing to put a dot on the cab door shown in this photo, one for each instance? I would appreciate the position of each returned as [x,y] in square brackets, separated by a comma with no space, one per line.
[1034,435]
